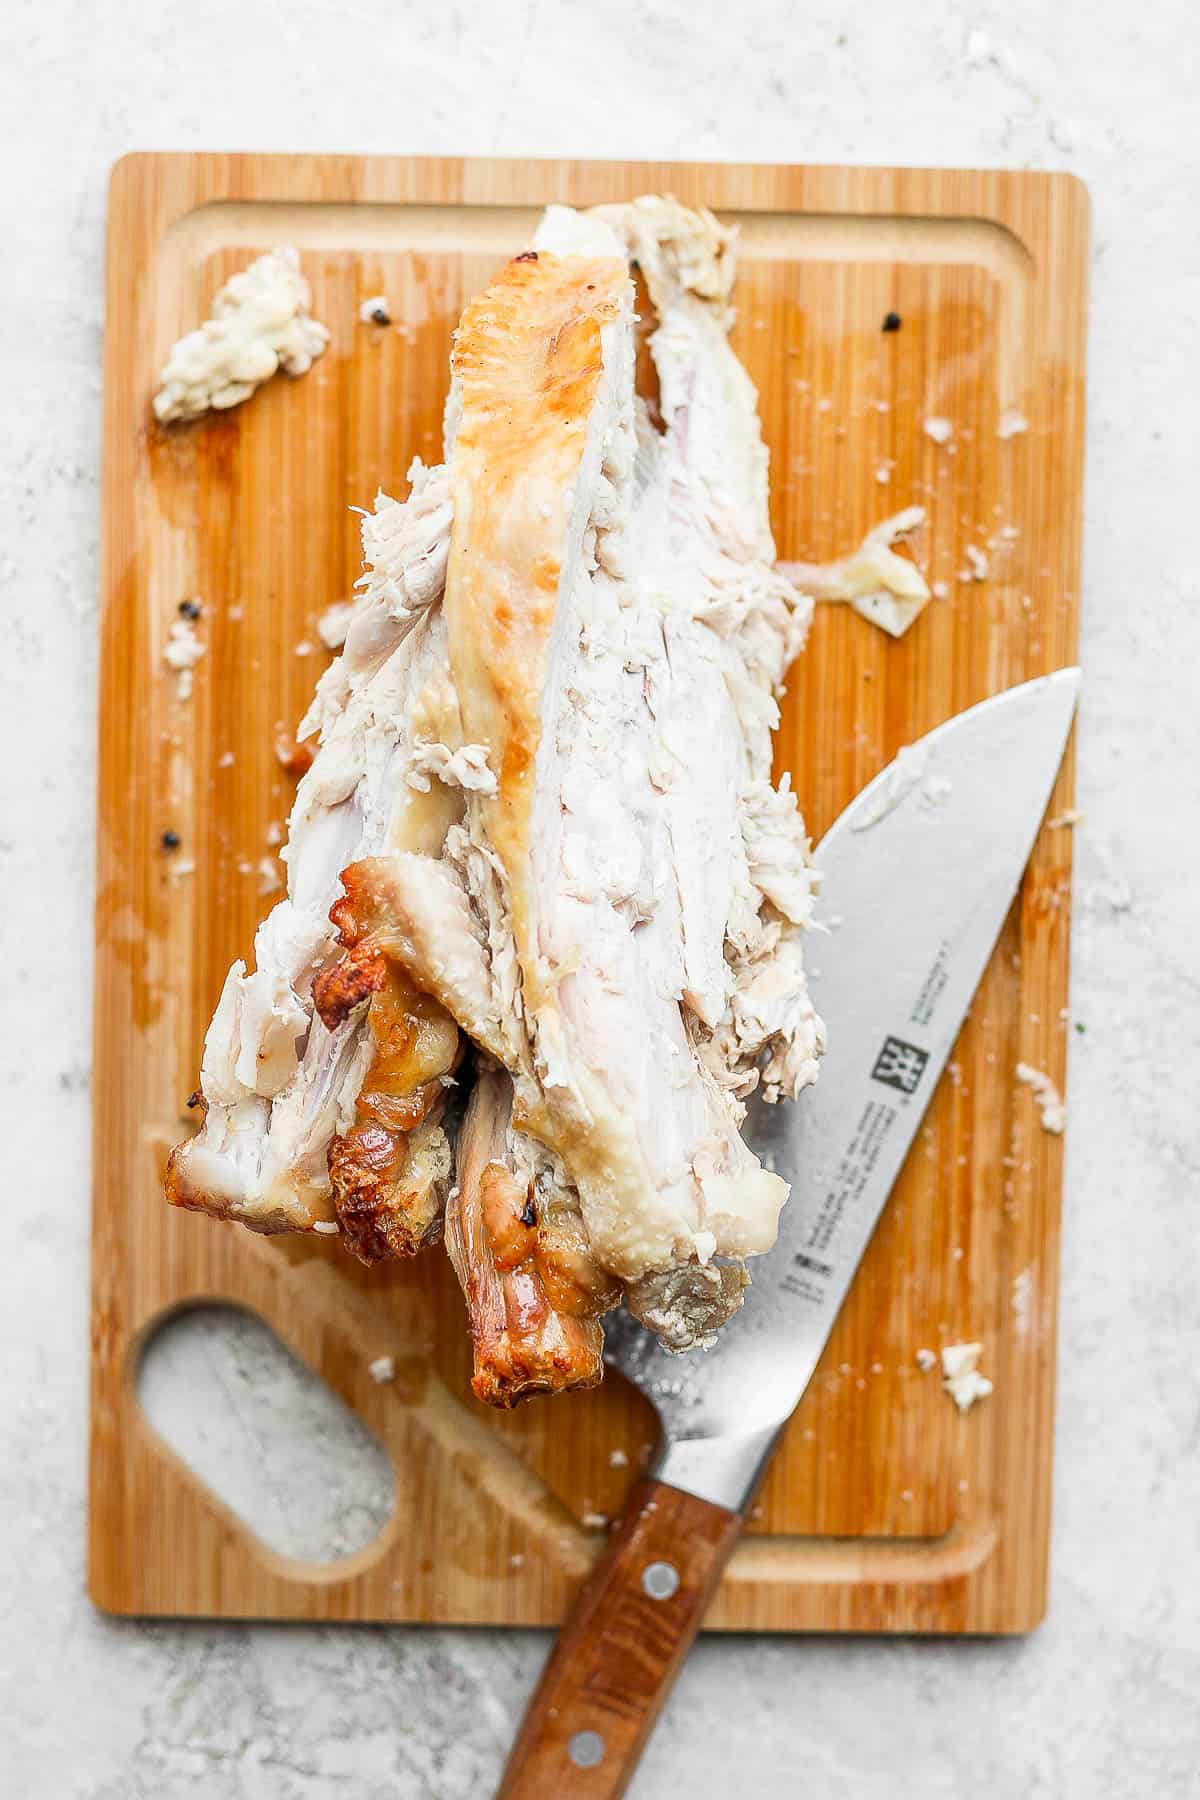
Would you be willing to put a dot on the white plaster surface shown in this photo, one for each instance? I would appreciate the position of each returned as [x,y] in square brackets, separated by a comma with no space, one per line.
[1102,1702]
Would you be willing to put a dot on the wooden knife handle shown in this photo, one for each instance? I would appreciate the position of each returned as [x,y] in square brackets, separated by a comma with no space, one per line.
[619,1651]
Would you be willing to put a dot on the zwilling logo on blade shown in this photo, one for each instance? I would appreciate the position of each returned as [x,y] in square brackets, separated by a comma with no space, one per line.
[900,1065]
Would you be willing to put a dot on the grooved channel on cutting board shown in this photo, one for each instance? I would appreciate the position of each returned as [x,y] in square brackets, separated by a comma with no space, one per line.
[884,1508]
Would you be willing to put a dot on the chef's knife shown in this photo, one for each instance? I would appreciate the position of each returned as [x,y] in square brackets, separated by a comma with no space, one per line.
[918,873]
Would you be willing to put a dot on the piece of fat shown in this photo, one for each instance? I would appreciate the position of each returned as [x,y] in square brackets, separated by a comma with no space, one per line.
[261,322]
[883,587]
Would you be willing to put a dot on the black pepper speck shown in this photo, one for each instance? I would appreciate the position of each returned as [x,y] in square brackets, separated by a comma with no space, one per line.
[892,321]
[170,840]
[190,609]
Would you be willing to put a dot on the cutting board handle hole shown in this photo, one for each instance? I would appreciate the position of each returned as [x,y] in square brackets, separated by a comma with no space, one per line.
[267,1435]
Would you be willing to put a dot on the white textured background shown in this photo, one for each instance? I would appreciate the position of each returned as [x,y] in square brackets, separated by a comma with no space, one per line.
[1102,1702]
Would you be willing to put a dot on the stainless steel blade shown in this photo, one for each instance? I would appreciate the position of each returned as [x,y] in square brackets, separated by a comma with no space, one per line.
[917,875]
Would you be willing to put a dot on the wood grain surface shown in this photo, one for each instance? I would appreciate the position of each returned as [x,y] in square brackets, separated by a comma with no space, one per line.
[884,1508]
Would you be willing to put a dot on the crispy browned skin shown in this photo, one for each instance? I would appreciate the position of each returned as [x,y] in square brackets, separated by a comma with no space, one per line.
[352,977]
[533,1306]
[386,1171]
[175,1185]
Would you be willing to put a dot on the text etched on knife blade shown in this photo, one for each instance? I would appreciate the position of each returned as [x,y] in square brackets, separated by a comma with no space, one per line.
[933,986]
[814,1266]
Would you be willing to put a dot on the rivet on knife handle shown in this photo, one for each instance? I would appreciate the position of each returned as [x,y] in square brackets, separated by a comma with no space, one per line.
[620,1649]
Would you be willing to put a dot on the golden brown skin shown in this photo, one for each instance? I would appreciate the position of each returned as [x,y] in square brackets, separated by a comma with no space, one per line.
[573,1279]
[351,978]
[388,1170]
[175,1186]
[534,1325]
[529,362]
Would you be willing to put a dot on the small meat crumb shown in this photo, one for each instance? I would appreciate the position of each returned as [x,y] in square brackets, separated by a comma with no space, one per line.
[1011,423]
[182,652]
[375,310]
[1022,1301]
[926,1360]
[960,1375]
[1050,1101]
[905,772]
[939,429]
[382,1369]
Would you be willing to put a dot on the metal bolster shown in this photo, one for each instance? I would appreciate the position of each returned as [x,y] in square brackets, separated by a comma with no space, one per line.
[725,1470]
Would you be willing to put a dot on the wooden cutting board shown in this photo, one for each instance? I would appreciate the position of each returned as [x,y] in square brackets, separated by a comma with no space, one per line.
[884,1509]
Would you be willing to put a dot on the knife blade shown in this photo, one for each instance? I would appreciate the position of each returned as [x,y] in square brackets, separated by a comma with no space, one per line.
[919,872]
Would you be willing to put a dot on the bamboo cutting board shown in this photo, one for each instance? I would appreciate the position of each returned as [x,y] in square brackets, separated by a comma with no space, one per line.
[884,1508]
